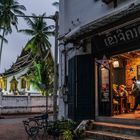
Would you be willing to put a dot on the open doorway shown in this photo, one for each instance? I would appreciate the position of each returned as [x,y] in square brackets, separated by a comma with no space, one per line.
[123,68]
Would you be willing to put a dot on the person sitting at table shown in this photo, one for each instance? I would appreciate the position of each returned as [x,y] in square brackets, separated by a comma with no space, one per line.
[124,99]
[115,101]
[123,91]
[115,90]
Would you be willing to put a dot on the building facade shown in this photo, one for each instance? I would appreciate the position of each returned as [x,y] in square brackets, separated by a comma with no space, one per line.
[13,80]
[16,80]
[94,35]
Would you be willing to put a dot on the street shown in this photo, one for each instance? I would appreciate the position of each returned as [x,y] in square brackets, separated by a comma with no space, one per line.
[12,128]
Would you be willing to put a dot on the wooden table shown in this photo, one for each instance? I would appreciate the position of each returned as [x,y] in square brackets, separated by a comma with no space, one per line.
[122,104]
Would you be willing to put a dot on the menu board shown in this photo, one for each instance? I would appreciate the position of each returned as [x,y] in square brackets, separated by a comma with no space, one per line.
[104,85]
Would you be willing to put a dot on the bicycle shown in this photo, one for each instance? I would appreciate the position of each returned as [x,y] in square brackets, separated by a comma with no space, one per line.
[34,125]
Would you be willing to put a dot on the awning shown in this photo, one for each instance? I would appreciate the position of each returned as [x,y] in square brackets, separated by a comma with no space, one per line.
[96,24]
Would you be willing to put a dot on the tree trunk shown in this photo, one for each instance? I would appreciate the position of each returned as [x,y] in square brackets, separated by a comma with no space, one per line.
[46,103]
[2,44]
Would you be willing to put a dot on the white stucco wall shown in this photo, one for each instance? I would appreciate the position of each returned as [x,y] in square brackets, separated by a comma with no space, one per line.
[85,11]
[25,104]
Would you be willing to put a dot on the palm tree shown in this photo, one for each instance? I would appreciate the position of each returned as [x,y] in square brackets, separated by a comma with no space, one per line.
[39,42]
[8,17]
[4,39]
[55,4]
[40,74]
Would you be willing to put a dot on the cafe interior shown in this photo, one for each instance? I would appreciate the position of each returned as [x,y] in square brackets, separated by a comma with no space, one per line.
[124,67]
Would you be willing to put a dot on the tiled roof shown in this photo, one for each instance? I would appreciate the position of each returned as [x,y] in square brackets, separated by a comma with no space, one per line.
[22,61]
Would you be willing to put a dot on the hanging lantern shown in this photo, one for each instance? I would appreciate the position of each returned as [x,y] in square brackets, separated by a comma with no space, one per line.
[116,64]
[104,62]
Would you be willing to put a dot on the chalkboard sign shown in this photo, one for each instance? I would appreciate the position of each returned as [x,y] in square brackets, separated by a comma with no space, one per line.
[104,85]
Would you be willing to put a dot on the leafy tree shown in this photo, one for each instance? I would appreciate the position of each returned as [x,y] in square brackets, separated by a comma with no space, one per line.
[41,76]
[38,76]
[39,32]
[8,17]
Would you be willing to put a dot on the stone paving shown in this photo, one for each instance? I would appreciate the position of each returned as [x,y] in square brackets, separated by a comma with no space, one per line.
[12,128]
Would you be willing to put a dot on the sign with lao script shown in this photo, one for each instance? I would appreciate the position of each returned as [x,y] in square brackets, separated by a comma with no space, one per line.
[117,37]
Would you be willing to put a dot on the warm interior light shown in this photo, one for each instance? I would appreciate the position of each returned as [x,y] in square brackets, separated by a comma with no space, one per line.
[116,64]
[102,68]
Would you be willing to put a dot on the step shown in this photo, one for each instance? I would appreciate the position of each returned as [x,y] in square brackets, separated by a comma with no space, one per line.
[126,121]
[101,135]
[117,128]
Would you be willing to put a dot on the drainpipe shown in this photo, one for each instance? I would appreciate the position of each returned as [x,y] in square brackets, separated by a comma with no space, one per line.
[65,91]
[65,82]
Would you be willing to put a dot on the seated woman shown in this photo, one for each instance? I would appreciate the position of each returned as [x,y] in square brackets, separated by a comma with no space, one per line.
[125,103]
[115,90]
[115,102]
[123,91]
[115,93]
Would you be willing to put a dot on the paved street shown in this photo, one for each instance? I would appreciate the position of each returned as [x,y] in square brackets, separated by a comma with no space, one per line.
[11,128]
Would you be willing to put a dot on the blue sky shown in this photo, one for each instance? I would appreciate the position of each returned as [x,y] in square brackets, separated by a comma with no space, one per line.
[16,41]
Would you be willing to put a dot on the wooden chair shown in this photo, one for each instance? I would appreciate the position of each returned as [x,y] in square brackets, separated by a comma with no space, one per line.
[115,107]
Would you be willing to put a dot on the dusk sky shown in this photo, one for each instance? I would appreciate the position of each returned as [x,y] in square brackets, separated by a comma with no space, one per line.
[17,41]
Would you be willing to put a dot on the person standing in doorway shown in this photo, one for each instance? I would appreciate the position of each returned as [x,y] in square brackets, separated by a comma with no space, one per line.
[136,93]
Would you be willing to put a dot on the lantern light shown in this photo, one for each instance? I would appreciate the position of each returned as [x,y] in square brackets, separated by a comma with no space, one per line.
[116,64]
